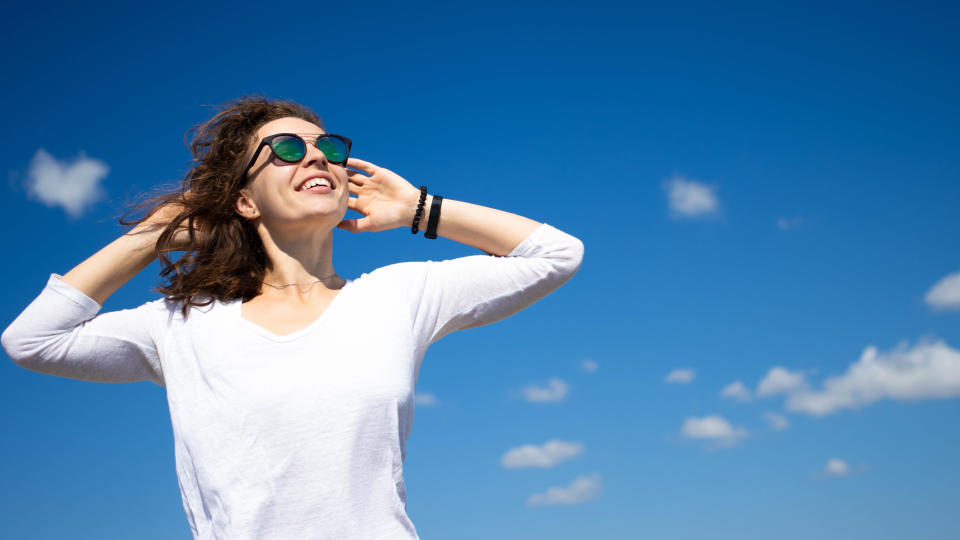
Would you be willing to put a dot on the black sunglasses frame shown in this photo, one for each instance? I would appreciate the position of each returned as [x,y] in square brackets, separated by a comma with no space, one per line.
[268,141]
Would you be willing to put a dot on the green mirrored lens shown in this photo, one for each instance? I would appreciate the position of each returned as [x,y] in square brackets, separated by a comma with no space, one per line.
[334,148]
[289,148]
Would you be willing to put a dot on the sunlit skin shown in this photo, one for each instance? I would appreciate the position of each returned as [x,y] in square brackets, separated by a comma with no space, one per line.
[297,227]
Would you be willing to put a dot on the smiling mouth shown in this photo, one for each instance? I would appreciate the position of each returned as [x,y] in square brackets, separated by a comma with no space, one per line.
[317,179]
[317,189]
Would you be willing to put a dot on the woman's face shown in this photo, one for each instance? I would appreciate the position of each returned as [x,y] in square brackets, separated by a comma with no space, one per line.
[272,193]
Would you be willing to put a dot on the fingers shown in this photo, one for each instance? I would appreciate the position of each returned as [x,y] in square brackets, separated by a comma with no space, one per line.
[353,203]
[356,177]
[364,166]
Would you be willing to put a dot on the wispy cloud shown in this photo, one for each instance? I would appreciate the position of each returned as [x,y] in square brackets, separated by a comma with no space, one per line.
[780,380]
[547,455]
[837,467]
[689,198]
[777,422]
[714,428]
[786,224]
[928,370]
[73,186]
[945,294]
[582,489]
[424,398]
[682,376]
[736,390]
[589,366]
[555,390]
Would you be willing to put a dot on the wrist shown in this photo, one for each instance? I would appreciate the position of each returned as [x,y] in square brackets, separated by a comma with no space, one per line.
[145,234]
[424,211]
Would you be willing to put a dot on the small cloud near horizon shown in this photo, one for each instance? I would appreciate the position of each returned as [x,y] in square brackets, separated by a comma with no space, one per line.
[836,467]
[555,391]
[780,380]
[550,454]
[681,376]
[424,399]
[736,390]
[945,294]
[582,489]
[714,428]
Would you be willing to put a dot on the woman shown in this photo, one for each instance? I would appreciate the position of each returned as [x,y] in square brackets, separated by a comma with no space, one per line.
[290,388]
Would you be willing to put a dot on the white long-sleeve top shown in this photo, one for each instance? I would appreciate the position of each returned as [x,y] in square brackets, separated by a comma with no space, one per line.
[301,435]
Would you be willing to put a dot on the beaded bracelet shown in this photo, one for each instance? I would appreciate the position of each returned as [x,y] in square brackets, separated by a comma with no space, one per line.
[431,231]
[416,217]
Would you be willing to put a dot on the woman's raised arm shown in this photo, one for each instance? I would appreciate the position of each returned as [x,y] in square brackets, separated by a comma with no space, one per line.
[526,260]
[389,201]
[495,232]
[100,275]
[60,333]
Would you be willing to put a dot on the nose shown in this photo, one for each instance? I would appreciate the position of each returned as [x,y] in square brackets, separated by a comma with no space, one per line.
[314,154]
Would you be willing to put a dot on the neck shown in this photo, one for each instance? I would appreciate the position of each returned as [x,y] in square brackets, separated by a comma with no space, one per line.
[303,258]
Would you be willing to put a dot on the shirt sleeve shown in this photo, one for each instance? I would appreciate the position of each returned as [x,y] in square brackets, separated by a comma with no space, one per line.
[60,333]
[477,290]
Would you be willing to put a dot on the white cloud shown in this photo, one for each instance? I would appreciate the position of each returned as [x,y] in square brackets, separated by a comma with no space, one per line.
[777,422]
[928,370]
[550,454]
[787,224]
[945,294]
[681,376]
[582,489]
[72,186]
[589,365]
[736,390]
[780,380]
[689,198]
[715,428]
[837,467]
[556,390]
[424,398]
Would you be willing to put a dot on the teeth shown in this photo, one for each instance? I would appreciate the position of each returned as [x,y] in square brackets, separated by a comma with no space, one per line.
[316,182]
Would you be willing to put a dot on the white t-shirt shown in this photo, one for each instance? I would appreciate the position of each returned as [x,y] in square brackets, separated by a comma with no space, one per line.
[301,435]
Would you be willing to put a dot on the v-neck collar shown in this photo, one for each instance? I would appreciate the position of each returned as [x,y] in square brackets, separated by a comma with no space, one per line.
[236,313]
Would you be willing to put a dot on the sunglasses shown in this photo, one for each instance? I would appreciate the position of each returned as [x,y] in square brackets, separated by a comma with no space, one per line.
[291,148]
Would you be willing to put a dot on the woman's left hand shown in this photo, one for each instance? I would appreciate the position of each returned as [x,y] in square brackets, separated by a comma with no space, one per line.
[385,198]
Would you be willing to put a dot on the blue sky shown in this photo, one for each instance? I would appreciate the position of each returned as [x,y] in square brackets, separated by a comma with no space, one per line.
[763,340]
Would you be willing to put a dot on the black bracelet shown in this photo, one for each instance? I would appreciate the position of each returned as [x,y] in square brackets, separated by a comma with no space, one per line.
[431,231]
[416,217]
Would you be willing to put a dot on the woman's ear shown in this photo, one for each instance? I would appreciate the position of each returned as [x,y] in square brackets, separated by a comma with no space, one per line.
[246,206]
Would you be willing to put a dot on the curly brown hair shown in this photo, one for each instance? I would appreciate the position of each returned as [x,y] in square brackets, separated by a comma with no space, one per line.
[228,260]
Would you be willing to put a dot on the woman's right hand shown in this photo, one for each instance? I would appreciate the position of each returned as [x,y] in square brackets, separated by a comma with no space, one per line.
[156,224]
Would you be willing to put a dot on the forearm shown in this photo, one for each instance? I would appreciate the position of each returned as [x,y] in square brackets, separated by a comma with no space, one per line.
[493,231]
[100,275]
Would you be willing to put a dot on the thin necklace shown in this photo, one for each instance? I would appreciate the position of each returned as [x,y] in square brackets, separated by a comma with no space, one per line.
[298,289]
